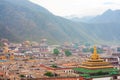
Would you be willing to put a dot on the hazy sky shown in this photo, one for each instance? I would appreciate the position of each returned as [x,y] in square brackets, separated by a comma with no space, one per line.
[78,7]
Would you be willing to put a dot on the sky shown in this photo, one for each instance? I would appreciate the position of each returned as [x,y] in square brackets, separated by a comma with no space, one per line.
[79,8]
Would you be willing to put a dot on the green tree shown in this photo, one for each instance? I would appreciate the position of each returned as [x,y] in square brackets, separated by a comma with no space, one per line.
[100,50]
[87,44]
[49,74]
[91,50]
[1,44]
[85,50]
[68,53]
[54,66]
[56,51]
[22,75]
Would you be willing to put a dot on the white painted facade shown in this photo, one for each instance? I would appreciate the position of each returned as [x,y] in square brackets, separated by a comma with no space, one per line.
[105,78]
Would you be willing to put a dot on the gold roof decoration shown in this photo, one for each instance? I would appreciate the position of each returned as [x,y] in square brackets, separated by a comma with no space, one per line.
[95,62]
[95,55]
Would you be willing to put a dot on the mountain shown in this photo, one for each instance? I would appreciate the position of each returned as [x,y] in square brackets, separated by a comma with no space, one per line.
[23,20]
[109,16]
[80,19]
[105,27]
[108,24]
[6,33]
[104,32]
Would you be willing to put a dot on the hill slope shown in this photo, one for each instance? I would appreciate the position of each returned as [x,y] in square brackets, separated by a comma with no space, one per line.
[28,21]
[22,20]
[108,25]
[109,16]
[105,27]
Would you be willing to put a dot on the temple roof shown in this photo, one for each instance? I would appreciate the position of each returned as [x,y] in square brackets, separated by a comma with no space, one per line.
[95,62]
[83,70]
[95,67]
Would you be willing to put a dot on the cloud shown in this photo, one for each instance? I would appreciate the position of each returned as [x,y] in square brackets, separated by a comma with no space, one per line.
[78,7]
[109,3]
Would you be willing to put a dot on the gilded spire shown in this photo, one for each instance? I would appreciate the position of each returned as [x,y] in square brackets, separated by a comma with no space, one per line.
[95,50]
[95,55]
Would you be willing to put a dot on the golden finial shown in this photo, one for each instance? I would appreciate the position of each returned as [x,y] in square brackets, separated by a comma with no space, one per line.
[95,50]
[95,55]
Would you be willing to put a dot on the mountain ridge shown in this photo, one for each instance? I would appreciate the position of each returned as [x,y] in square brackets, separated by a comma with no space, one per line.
[105,27]
[29,21]
[23,20]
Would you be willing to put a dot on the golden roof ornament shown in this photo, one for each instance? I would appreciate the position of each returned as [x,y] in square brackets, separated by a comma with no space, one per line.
[95,55]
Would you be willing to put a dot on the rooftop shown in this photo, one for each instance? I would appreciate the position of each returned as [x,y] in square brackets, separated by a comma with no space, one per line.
[83,70]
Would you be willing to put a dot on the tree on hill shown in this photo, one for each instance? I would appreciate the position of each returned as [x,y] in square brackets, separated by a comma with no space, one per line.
[54,66]
[1,44]
[49,74]
[56,51]
[85,50]
[68,53]
[22,76]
